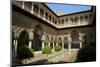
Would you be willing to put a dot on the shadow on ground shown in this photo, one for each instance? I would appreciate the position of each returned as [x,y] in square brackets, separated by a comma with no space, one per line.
[42,61]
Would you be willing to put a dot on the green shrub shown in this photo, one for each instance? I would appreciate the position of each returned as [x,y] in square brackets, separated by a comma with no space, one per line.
[57,47]
[46,49]
[87,53]
[24,52]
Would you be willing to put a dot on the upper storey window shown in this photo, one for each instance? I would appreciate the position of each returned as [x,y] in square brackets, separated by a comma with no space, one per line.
[66,20]
[52,38]
[90,16]
[71,20]
[81,19]
[50,18]
[28,5]
[20,3]
[76,20]
[86,18]
[36,8]
[62,21]
[46,16]
[55,39]
[60,40]
[59,22]
[53,19]
[47,38]
[55,22]
[41,12]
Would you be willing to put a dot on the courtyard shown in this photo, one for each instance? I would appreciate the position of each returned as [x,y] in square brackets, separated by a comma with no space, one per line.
[41,36]
[63,56]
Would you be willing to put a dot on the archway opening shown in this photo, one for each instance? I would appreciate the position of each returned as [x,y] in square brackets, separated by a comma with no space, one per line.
[37,42]
[23,39]
[65,43]
[84,40]
[75,39]
[60,41]
[51,43]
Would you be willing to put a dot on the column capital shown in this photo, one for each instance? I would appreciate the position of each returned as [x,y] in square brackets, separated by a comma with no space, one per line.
[16,38]
[44,33]
[69,35]
[80,34]
[43,36]
[30,39]
[32,30]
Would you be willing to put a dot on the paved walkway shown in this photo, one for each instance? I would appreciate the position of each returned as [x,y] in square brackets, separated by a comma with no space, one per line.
[70,57]
[62,56]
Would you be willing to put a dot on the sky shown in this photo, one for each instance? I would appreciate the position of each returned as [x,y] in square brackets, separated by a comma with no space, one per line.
[67,8]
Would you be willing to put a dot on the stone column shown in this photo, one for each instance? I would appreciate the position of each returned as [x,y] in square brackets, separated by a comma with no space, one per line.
[69,46]
[69,42]
[42,45]
[57,24]
[32,8]
[62,45]
[30,44]
[49,44]
[53,46]
[43,40]
[16,41]
[80,38]
[23,5]
[69,22]
[39,13]
[80,44]
[84,22]
[44,16]
[31,34]
[13,49]
[79,21]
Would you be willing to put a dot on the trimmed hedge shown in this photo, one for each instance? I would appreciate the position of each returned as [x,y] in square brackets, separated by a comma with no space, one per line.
[57,47]
[46,49]
[24,52]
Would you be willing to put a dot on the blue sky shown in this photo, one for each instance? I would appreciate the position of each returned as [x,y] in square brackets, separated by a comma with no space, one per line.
[67,8]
